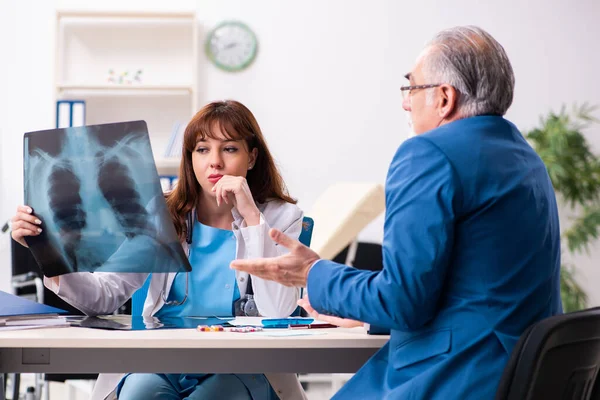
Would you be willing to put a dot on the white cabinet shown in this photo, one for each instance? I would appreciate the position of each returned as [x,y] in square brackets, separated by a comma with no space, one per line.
[130,66]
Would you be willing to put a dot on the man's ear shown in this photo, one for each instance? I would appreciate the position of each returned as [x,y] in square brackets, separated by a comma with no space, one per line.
[448,101]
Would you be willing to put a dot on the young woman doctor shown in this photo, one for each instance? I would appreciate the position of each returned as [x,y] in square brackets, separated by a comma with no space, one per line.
[230,187]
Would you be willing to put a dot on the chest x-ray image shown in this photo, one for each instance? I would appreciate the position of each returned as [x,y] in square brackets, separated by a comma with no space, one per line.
[97,192]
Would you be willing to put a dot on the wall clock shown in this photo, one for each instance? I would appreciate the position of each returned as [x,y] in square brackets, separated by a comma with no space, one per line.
[231,46]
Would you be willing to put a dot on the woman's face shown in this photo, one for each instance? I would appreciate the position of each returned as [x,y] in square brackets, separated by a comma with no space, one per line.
[214,158]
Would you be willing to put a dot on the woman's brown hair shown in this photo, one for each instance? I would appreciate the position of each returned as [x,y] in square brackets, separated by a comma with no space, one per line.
[236,122]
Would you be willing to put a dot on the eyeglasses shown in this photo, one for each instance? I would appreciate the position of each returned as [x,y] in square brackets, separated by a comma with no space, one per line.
[406,90]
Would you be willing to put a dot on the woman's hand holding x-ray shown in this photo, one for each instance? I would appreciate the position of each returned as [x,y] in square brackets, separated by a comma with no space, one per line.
[25,223]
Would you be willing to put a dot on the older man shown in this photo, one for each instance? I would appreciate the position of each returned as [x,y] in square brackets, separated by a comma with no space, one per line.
[471,243]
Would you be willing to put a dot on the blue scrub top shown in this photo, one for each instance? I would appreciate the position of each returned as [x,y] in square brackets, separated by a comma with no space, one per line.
[212,291]
[212,288]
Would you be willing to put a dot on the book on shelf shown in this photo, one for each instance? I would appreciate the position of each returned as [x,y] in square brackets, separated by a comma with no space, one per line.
[175,144]
[168,182]
[70,113]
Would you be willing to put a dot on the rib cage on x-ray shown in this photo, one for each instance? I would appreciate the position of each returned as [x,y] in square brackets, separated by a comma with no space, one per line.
[97,192]
[126,203]
[67,216]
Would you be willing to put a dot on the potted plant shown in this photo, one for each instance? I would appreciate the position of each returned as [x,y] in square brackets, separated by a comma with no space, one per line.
[575,174]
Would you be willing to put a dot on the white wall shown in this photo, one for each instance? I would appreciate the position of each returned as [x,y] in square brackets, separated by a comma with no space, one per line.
[325,85]
[7,89]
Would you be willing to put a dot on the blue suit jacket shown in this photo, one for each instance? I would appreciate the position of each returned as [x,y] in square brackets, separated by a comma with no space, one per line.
[471,254]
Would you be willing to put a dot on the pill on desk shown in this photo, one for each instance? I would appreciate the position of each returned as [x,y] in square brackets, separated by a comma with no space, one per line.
[245,329]
[212,328]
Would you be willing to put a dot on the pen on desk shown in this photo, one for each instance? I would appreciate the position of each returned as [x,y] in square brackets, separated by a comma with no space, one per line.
[312,326]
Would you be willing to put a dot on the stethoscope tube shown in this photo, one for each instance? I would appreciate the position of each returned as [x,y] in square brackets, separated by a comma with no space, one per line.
[188,239]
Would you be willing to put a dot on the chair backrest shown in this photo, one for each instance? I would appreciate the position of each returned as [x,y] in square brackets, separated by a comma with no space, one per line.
[343,210]
[556,358]
[139,297]
[369,256]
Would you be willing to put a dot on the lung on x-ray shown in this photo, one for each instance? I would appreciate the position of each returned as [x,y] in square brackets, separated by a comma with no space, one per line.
[97,192]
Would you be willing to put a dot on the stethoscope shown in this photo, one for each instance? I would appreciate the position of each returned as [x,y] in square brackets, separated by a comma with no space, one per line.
[188,239]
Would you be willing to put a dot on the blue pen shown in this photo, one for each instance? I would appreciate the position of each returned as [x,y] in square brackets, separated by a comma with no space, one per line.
[285,322]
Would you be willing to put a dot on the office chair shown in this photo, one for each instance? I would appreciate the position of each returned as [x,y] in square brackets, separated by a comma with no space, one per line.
[139,297]
[368,256]
[556,358]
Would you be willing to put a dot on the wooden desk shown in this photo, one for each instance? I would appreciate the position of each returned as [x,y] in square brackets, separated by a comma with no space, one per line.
[83,350]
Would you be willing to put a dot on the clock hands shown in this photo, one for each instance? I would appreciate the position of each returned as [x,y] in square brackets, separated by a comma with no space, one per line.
[230,45]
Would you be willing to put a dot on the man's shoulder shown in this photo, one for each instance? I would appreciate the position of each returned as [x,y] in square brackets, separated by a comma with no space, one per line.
[465,140]
[421,149]
[464,130]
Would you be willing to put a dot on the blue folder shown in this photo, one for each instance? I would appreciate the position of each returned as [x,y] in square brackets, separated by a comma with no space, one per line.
[13,306]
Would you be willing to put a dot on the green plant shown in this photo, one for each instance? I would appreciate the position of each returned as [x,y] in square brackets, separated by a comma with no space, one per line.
[575,174]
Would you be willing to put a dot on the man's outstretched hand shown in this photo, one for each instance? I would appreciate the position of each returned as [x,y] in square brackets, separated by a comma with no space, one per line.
[290,269]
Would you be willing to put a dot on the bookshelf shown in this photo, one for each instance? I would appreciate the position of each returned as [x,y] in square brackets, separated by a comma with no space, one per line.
[130,66]
[119,90]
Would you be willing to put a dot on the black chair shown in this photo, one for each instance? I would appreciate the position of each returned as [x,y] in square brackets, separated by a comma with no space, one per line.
[556,358]
[368,256]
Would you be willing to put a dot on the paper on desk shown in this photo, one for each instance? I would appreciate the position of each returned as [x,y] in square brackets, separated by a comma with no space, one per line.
[287,332]
[319,322]
[22,327]
[246,321]
[36,322]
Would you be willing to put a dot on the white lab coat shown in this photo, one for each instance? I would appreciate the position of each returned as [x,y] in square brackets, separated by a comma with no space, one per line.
[104,292]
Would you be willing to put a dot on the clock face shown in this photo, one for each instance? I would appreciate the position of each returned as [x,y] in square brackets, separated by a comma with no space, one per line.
[231,46]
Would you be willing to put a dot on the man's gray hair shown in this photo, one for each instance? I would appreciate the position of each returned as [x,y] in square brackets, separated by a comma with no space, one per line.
[476,65]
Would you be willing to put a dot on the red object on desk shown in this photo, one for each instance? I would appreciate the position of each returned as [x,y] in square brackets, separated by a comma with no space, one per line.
[313,326]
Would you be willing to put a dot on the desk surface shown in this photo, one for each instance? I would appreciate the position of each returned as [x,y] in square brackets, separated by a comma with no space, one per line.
[186,339]
[84,350]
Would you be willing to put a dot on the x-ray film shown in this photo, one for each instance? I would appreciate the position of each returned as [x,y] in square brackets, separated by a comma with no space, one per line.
[97,192]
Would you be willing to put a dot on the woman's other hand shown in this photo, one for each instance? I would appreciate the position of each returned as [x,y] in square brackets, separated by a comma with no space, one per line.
[342,322]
